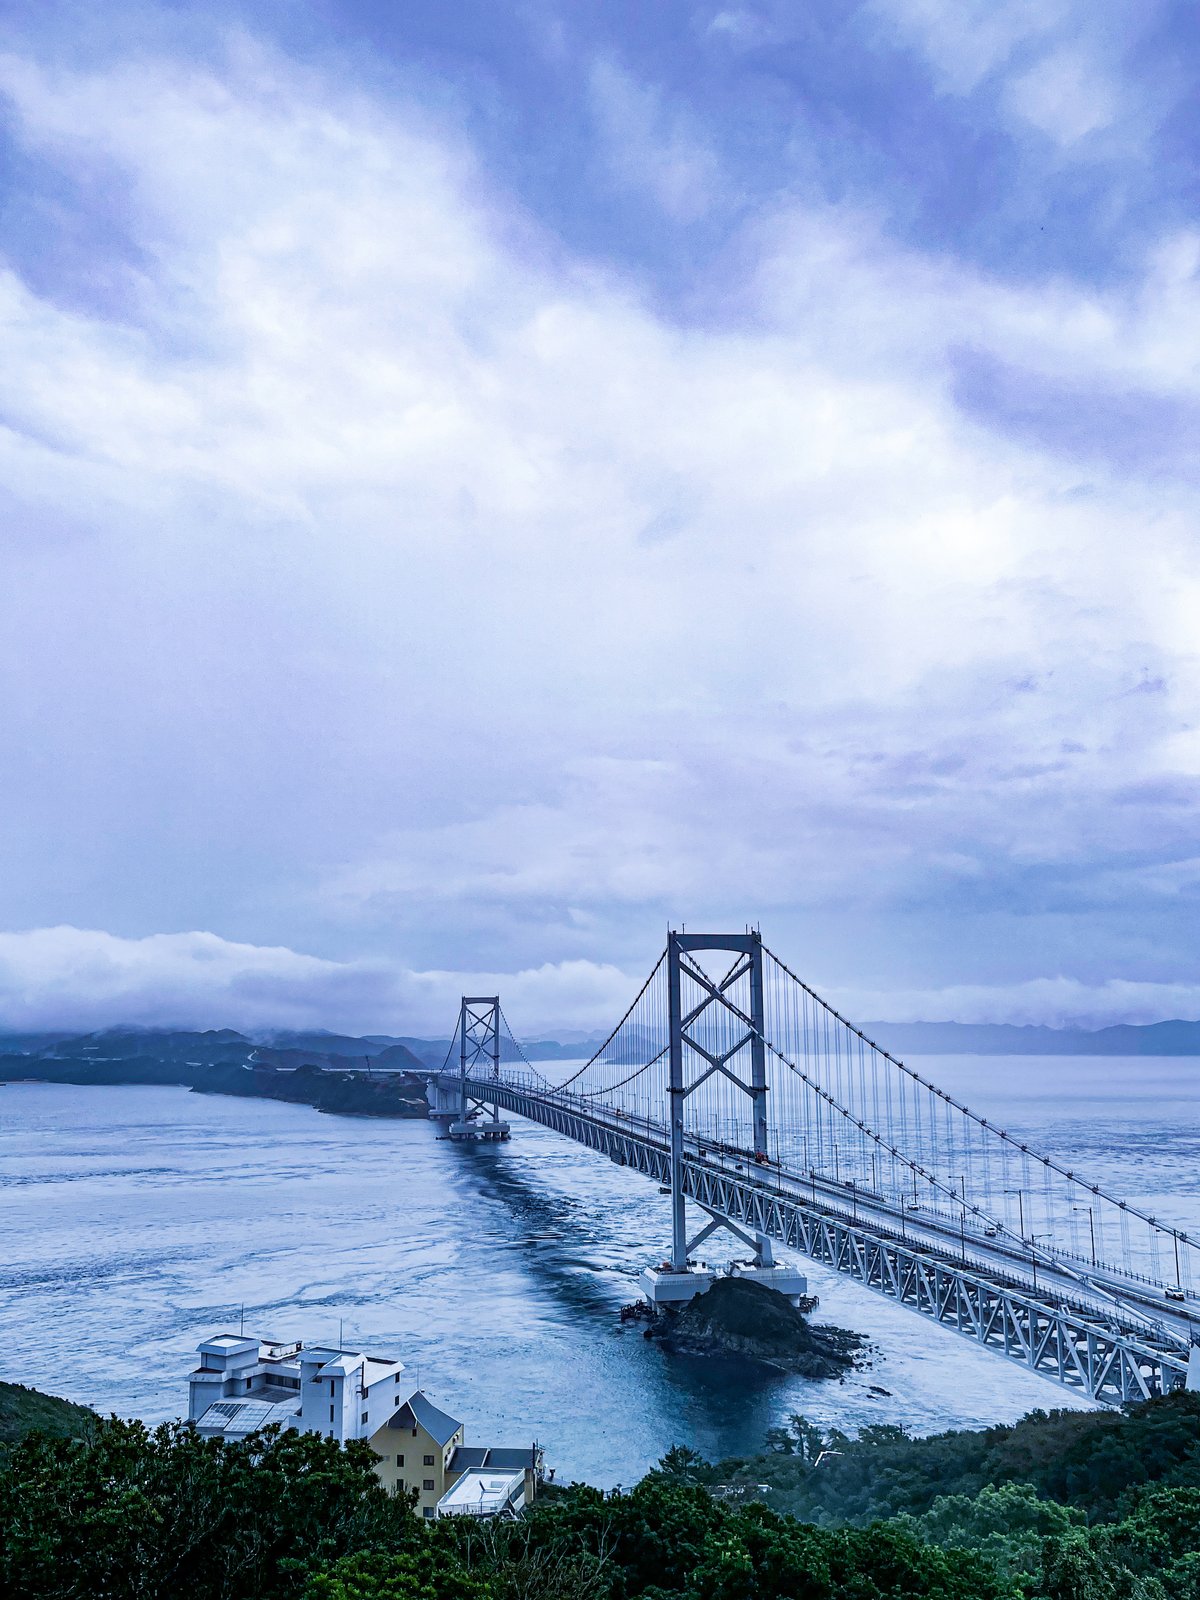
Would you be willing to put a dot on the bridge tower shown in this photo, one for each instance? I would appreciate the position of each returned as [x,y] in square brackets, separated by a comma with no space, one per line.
[691,1063]
[478,1056]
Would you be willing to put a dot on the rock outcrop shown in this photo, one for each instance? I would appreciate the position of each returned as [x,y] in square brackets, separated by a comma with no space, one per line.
[738,1317]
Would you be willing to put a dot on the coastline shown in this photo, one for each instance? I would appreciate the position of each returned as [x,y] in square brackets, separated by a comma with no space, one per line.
[338,1093]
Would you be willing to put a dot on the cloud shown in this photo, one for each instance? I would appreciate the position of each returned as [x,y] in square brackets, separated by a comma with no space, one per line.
[83,979]
[965,41]
[1052,1002]
[386,576]
[1065,96]
[1147,433]
[650,147]
[739,26]
[1047,67]
[78,978]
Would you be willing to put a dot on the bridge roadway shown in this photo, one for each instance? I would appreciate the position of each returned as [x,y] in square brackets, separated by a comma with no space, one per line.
[1070,1327]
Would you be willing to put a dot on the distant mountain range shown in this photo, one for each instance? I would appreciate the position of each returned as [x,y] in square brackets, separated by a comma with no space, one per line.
[375,1076]
[1012,1039]
[142,1047]
[166,1055]
[430,1051]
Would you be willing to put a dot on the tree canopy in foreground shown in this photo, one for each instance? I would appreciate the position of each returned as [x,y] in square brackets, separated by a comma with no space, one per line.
[132,1514]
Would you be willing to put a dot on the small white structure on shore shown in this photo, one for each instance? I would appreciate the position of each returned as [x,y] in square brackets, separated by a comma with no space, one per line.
[480,1493]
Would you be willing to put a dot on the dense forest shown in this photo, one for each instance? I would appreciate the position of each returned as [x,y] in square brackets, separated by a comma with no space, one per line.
[1065,1506]
[1092,1461]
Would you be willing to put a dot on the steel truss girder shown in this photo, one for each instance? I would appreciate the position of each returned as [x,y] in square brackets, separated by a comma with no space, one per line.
[1105,1363]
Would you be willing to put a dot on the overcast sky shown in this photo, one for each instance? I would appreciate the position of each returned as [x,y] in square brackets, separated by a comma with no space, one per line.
[482,481]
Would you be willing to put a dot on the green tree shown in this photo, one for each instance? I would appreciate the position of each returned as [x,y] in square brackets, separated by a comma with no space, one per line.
[810,1440]
[1098,1461]
[671,1540]
[1007,1525]
[684,1465]
[1075,1569]
[126,1511]
[427,1572]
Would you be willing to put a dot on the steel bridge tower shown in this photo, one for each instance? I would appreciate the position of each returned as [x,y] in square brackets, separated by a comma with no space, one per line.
[742,1059]
[479,1036]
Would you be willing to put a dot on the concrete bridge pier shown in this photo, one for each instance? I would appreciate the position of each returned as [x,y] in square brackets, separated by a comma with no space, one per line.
[478,1127]
[474,1121]
[665,1285]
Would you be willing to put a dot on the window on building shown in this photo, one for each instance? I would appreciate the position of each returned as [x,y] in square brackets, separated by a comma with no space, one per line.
[427,1511]
[399,1461]
[427,1483]
[331,1413]
[249,1381]
[428,1461]
[364,1416]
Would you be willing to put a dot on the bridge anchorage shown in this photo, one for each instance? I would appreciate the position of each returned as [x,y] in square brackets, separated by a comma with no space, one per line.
[732,1085]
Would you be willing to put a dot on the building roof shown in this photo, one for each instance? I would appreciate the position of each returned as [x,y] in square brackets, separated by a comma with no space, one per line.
[474,1457]
[234,1419]
[419,1411]
[348,1361]
[375,1368]
[482,1494]
[344,1363]
[228,1344]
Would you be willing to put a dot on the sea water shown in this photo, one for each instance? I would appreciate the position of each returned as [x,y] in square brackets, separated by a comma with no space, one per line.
[135,1222]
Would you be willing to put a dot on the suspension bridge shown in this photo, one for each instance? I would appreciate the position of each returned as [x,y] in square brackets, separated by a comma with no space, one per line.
[748,1099]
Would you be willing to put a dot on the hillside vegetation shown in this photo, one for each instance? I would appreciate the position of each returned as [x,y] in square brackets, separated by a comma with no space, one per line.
[326,1072]
[1094,1461]
[23,1411]
[136,1515]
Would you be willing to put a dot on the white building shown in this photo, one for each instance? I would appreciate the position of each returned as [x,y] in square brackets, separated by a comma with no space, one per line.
[243,1384]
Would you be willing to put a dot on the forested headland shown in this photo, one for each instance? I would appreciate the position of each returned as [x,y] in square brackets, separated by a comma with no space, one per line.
[1061,1506]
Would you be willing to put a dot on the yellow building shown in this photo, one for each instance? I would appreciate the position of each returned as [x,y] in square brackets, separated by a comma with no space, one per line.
[414,1448]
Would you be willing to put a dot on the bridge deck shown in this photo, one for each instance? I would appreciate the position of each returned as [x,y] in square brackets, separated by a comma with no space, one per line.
[1113,1339]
